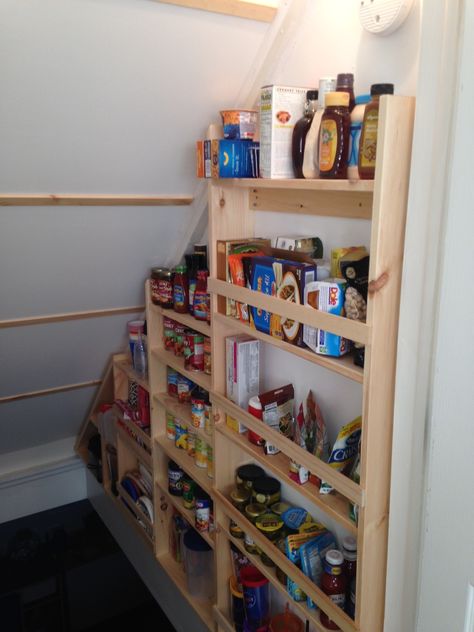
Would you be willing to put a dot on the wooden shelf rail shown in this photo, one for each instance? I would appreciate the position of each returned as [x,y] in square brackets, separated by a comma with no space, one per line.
[48,391]
[57,318]
[91,199]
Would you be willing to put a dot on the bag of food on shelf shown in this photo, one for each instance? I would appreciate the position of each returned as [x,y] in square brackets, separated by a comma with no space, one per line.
[295,541]
[312,556]
[344,451]
[277,412]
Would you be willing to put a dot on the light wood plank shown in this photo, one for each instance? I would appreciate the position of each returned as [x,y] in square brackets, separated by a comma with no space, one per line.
[185,319]
[344,366]
[321,599]
[126,367]
[167,358]
[351,329]
[355,205]
[348,186]
[332,505]
[48,391]
[341,483]
[263,11]
[182,458]
[132,445]
[56,318]
[88,199]
[386,255]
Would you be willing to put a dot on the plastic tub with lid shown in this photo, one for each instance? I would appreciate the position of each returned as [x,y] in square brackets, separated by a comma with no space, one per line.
[198,566]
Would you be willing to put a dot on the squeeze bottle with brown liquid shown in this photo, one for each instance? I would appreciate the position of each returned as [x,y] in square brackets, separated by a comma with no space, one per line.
[334,136]
[311,148]
[368,138]
[300,131]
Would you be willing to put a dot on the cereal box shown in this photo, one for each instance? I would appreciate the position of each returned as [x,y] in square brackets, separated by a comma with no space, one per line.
[280,108]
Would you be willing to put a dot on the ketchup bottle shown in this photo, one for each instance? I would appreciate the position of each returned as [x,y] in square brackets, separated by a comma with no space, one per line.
[255,409]
[334,584]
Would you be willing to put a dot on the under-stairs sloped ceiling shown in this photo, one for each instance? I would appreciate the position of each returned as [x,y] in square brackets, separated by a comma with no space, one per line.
[98,96]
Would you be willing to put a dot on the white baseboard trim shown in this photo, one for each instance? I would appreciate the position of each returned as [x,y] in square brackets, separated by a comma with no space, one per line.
[41,487]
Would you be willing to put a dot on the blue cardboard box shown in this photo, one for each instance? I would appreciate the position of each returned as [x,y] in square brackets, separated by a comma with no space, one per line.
[234,158]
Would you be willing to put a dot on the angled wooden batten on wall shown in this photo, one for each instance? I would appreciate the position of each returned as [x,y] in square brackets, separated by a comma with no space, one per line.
[261,10]
[86,199]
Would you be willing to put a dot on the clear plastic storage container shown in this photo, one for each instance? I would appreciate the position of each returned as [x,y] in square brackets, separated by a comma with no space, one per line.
[198,566]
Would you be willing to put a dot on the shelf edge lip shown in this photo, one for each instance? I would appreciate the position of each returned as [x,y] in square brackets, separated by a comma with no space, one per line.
[158,397]
[335,365]
[344,485]
[291,569]
[293,184]
[339,325]
[203,327]
[169,359]
[343,520]
[207,486]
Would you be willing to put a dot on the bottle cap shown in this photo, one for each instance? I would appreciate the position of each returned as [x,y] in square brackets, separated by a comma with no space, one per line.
[381,88]
[345,80]
[334,557]
[349,543]
[254,402]
[312,95]
[362,99]
[337,98]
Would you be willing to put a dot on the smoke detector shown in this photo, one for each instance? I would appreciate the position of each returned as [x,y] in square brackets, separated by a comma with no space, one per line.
[383,17]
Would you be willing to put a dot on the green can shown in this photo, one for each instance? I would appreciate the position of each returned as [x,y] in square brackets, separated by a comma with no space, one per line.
[189,487]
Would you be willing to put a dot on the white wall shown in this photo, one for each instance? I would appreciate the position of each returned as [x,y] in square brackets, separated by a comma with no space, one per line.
[98,96]
[447,571]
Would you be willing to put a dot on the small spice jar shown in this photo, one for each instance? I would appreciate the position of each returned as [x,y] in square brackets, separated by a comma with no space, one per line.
[266,490]
[165,285]
[245,475]
[155,285]
[252,512]
[207,356]
[271,526]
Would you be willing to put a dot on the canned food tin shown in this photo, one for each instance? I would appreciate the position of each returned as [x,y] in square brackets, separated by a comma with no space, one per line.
[184,388]
[200,458]
[169,334]
[193,351]
[179,339]
[189,487]
[172,383]
[170,427]
[175,479]
[181,438]
[191,442]
[198,412]
[208,419]
[210,462]
[203,511]
[207,356]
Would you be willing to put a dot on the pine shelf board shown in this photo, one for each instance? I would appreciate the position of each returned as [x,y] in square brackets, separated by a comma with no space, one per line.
[177,363]
[293,184]
[122,507]
[177,575]
[182,412]
[322,600]
[132,445]
[185,319]
[334,505]
[135,508]
[344,365]
[186,462]
[343,484]
[350,329]
[127,368]
[188,514]
[300,607]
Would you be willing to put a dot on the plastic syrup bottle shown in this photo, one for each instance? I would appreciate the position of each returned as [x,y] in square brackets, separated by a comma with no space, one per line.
[368,137]
[311,149]
[300,132]
[334,136]
[357,118]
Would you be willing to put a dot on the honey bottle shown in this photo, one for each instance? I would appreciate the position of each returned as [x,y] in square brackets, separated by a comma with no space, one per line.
[334,136]
[368,138]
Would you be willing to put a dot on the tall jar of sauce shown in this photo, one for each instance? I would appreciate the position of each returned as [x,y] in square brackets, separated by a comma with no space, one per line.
[334,136]
[334,584]
[368,138]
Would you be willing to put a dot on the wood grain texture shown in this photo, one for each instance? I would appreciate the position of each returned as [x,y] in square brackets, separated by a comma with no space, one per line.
[89,199]
[48,391]
[260,11]
[58,318]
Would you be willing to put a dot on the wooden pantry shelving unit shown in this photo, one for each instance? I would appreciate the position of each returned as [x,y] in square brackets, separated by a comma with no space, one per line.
[232,207]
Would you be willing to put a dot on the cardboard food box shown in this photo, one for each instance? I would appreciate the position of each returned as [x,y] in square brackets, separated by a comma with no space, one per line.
[242,373]
[280,108]
[203,158]
[327,296]
[312,246]
[286,280]
[233,158]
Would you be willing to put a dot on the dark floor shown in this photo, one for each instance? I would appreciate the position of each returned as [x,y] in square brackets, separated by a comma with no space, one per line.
[62,571]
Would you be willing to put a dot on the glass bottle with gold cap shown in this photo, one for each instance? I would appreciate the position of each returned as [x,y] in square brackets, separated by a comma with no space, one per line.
[334,136]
